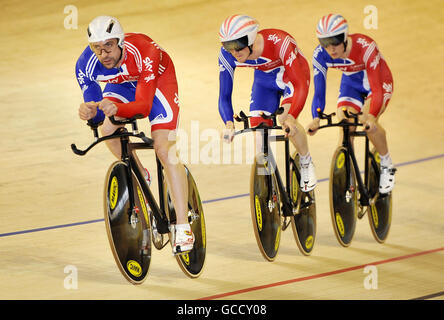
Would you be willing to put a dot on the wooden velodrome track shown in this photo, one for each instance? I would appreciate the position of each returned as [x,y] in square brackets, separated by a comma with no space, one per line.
[51,200]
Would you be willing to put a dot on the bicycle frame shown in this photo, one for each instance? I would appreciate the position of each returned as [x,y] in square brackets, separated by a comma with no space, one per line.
[364,198]
[284,191]
[129,157]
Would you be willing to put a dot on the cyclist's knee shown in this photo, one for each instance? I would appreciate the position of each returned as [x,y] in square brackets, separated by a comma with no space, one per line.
[165,151]
[108,127]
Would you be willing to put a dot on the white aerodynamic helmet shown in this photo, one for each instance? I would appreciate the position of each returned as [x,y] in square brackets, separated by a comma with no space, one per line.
[237,27]
[103,28]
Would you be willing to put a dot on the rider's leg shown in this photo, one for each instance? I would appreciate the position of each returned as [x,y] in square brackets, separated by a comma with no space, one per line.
[165,148]
[341,116]
[108,128]
[378,137]
[116,93]
[298,137]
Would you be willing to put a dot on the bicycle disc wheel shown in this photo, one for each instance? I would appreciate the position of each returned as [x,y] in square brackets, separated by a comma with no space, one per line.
[343,197]
[380,209]
[265,208]
[128,229]
[192,262]
[303,223]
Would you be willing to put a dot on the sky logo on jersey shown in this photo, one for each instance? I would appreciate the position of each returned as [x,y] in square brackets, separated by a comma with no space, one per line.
[149,78]
[375,62]
[290,59]
[148,64]
[363,42]
[274,38]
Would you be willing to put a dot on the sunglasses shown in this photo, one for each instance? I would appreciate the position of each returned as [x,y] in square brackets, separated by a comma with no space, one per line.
[332,41]
[108,47]
[237,45]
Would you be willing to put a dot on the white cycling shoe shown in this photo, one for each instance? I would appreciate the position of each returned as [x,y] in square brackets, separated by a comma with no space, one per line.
[308,177]
[183,239]
[387,179]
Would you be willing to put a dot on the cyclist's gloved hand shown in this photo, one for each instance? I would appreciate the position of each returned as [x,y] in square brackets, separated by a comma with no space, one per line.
[108,107]
[228,132]
[88,110]
[369,122]
[313,126]
[290,125]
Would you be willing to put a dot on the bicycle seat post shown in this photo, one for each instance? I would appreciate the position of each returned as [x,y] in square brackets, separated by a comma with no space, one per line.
[134,126]
[274,120]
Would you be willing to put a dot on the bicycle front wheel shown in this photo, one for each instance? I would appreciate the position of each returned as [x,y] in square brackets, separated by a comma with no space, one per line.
[304,222]
[265,207]
[127,224]
[191,263]
[343,196]
[380,209]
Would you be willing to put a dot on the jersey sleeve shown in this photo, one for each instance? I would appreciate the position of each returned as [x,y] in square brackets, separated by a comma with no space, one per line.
[319,79]
[146,85]
[372,58]
[298,71]
[226,76]
[90,88]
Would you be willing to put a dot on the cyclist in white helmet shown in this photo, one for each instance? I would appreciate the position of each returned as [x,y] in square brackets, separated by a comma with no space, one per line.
[140,79]
[280,71]
[366,85]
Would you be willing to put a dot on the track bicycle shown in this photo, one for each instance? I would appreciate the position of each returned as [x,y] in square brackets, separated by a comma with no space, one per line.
[276,204]
[133,217]
[351,197]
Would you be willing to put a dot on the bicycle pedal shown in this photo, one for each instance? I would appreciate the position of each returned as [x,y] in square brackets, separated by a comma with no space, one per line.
[285,223]
[361,214]
[179,252]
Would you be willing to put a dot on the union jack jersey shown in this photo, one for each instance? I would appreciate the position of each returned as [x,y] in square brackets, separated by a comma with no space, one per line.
[281,67]
[145,67]
[365,74]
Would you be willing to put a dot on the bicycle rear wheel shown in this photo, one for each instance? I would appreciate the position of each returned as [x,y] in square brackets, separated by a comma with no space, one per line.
[128,229]
[265,207]
[343,197]
[380,209]
[192,262]
[304,222]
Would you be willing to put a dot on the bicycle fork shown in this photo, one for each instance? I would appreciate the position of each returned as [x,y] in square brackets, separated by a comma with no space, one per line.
[362,187]
[287,208]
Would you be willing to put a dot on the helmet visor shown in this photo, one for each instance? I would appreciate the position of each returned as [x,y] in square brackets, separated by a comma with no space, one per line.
[334,41]
[236,45]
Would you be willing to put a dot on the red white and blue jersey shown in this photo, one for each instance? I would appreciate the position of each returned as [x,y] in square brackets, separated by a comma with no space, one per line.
[145,77]
[281,70]
[365,74]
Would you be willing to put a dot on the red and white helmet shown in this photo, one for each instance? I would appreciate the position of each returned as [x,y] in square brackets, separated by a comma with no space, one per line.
[238,26]
[103,28]
[332,29]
